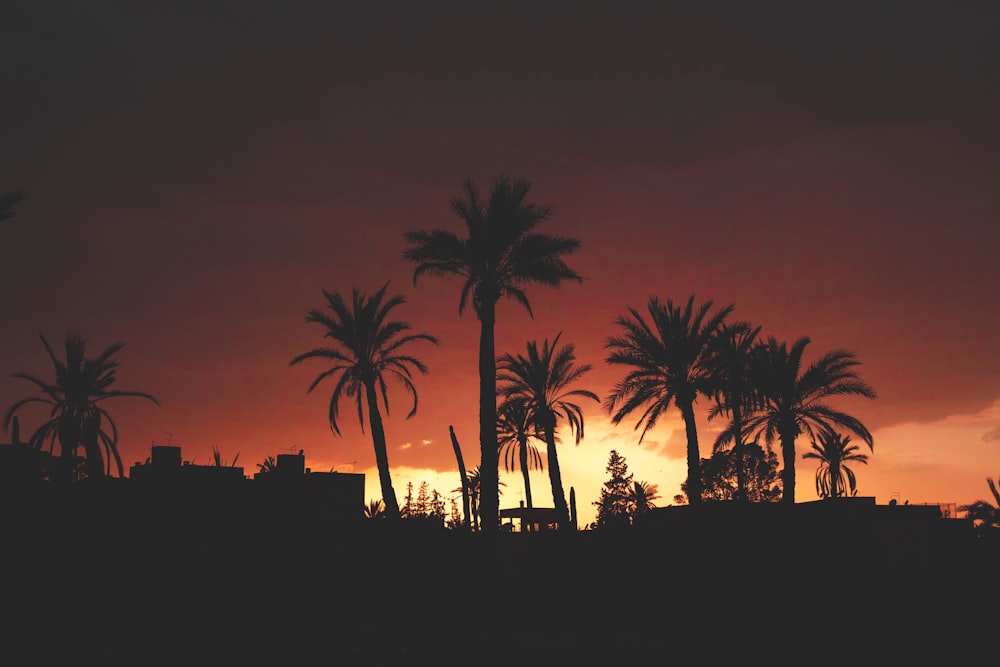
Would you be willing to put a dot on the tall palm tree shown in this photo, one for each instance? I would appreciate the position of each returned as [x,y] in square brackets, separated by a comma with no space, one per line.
[670,365]
[541,379]
[730,358]
[834,451]
[793,399]
[76,416]
[474,485]
[501,255]
[515,427]
[367,350]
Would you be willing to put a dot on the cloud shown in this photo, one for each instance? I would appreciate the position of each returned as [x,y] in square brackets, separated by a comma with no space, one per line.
[992,435]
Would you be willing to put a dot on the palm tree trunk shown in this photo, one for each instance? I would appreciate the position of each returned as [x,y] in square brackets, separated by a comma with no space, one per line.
[555,478]
[738,452]
[835,482]
[523,452]
[61,471]
[693,457]
[95,462]
[489,466]
[788,470]
[381,455]
[461,472]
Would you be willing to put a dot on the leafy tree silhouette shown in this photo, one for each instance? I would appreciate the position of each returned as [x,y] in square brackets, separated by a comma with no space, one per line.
[541,379]
[76,416]
[500,256]
[670,365]
[367,350]
[793,399]
[834,451]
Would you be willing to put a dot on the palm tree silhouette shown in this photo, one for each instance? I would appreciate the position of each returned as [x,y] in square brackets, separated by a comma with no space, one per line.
[793,399]
[981,512]
[515,427]
[501,255]
[473,484]
[671,365]
[730,351]
[833,451]
[77,416]
[641,498]
[540,379]
[367,348]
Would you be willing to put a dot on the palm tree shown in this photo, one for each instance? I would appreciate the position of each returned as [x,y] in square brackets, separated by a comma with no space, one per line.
[641,498]
[473,484]
[515,426]
[793,399]
[730,353]
[982,513]
[540,380]
[671,365]
[77,416]
[833,451]
[268,465]
[367,349]
[500,256]
[375,509]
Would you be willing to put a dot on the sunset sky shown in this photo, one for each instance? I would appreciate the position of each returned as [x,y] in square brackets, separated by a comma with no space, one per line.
[197,173]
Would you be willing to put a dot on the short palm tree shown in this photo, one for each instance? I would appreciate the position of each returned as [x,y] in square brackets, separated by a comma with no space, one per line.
[670,364]
[540,379]
[375,509]
[368,349]
[981,512]
[793,399]
[834,451]
[77,416]
[500,256]
[730,354]
[515,428]
[641,498]
[268,465]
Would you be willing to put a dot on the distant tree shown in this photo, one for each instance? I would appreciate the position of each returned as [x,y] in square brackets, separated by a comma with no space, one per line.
[614,504]
[499,257]
[375,509]
[982,513]
[422,505]
[515,428]
[642,498]
[409,503]
[719,475]
[268,465]
[793,399]
[834,451]
[670,365]
[367,350]
[77,417]
[220,462]
[540,379]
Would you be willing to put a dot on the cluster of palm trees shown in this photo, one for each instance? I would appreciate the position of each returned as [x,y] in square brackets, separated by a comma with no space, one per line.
[672,354]
[680,353]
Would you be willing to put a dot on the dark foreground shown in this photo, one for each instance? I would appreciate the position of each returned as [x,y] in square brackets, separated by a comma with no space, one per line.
[780,587]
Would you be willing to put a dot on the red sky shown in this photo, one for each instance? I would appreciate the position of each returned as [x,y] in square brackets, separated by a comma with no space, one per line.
[196,176]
